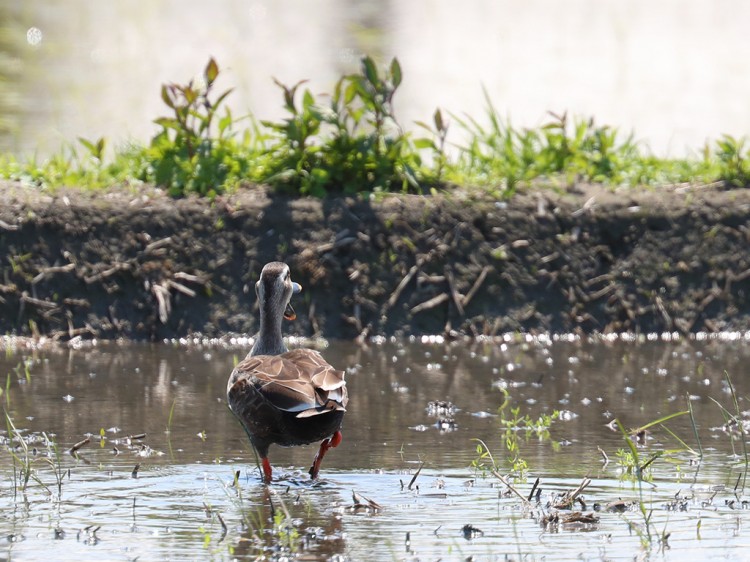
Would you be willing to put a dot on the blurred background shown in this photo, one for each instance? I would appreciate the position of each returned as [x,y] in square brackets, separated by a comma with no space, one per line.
[674,72]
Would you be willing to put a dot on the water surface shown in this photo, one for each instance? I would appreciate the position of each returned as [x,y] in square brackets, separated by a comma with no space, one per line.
[149,487]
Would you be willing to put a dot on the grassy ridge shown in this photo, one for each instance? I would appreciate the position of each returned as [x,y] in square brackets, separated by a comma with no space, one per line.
[351,142]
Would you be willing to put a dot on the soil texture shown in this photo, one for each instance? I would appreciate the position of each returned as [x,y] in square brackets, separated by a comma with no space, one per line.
[142,266]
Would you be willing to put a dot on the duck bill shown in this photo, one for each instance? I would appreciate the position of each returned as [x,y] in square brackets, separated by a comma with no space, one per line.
[289,313]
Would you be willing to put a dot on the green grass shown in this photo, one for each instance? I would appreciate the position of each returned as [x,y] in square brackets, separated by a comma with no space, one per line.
[350,141]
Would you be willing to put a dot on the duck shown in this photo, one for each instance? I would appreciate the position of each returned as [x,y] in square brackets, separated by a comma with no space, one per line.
[283,397]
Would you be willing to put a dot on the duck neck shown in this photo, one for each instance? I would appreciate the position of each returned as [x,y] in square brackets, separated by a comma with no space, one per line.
[269,340]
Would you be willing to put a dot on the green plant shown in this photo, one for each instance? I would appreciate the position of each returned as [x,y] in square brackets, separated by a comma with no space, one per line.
[353,145]
[23,460]
[25,367]
[171,414]
[439,132]
[287,535]
[351,142]
[734,160]
[632,457]
[735,426]
[496,155]
[195,151]
[515,426]
[502,158]
[95,149]
[297,162]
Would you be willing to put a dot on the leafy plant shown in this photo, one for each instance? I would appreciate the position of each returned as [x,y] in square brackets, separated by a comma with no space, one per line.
[503,158]
[195,151]
[95,149]
[350,142]
[736,426]
[439,132]
[24,461]
[353,145]
[734,160]
[515,426]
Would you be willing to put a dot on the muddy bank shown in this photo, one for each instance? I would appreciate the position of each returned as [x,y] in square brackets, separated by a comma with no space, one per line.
[138,265]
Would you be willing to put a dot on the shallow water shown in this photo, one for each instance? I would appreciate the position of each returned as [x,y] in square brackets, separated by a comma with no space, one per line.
[182,501]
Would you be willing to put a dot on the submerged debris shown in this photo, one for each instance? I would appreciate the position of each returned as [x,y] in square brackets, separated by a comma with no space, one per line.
[441,408]
[737,426]
[551,521]
[471,532]
[566,500]
[362,504]
[617,506]
[88,535]
[446,425]
[78,445]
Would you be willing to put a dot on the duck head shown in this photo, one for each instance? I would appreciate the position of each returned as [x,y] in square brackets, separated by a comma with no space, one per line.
[275,289]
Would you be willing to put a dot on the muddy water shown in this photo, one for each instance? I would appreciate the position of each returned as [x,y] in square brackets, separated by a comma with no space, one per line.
[149,487]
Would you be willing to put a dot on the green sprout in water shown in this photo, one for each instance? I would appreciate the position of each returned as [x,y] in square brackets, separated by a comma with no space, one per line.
[517,428]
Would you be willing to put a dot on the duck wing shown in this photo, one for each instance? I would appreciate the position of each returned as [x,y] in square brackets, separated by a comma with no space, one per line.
[298,381]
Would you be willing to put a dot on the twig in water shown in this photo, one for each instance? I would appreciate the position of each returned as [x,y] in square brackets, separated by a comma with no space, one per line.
[361,502]
[568,499]
[211,511]
[223,526]
[414,478]
[78,445]
[509,486]
[533,489]
[134,437]
[604,455]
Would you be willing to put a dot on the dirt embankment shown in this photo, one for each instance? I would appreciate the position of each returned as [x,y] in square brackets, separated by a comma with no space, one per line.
[146,267]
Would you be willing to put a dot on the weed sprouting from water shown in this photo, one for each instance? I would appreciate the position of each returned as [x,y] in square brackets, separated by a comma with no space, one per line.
[694,425]
[24,460]
[639,472]
[171,414]
[25,367]
[267,525]
[735,426]
[514,427]
[629,460]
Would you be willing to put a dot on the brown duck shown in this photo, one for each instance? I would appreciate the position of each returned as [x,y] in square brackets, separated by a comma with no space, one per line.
[281,396]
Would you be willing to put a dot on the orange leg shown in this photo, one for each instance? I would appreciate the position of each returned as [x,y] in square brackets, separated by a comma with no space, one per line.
[333,441]
[266,470]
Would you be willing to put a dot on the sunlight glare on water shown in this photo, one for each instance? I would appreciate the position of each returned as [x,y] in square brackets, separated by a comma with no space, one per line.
[144,484]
